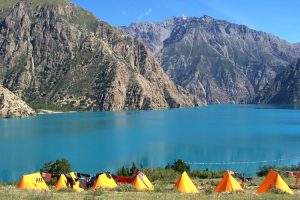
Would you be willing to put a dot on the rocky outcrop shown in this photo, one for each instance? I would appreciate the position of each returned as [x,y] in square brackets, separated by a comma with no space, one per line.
[152,34]
[218,61]
[58,53]
[284,89]
[12,106]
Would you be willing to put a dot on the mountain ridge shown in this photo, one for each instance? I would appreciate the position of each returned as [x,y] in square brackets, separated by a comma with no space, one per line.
[284,89]
[64,55]
[218,61]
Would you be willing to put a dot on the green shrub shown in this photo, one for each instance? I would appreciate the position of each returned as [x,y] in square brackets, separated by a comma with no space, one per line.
[124,171]
[133,169]
[264,170]
[40,105]
[207,174]
[179,166]
[58,167]
[166,175]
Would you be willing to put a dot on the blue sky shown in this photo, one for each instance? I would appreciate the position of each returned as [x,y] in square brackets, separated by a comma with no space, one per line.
[279,17]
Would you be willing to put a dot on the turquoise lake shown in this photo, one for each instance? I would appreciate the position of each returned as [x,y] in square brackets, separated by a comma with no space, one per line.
[104,141]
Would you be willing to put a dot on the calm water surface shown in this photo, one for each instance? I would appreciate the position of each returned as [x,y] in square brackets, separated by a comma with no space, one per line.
[95,142]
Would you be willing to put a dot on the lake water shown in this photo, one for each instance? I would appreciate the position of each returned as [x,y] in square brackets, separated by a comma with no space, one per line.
[95,142]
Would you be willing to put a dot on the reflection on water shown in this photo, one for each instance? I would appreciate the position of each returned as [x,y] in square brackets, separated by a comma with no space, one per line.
[95,142]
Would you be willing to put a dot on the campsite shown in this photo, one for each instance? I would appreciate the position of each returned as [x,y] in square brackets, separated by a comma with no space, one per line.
[149,99]
[176,181]
[163,190]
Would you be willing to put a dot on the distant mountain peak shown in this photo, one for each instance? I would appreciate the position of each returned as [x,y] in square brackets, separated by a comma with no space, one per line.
[216,60]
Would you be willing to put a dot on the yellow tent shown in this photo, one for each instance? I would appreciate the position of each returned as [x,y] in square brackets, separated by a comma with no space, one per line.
[228,184]
[33,182]
[141,182]
[185,185]
[274,180]
[105,181]
[62,183]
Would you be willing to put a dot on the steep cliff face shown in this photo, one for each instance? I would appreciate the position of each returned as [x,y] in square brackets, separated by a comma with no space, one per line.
[13,106]
[56,52]
[284,89]
[218,61]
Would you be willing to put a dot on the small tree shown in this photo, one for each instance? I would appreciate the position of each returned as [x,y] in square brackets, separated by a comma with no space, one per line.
[58,167]
[179,166]
[142,167]
[123,171]
[133,169]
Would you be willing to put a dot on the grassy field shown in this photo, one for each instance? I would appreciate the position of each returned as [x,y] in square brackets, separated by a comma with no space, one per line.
[163,190]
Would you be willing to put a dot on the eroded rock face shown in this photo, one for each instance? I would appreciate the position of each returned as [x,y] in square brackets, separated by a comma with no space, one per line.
[12,106]
[284,89]
[62,54]
[218,61]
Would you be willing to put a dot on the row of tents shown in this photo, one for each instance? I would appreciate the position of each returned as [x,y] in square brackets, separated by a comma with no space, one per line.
[141,182]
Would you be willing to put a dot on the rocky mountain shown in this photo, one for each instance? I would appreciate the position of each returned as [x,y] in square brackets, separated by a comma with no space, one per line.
[297,46]
[284,89]
[55,52]
[218,61]
[13,106]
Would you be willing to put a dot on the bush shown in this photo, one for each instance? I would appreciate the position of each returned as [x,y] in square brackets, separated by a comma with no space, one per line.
[124,171]
[207,174]
[179,166]
[58,167]
[264,170]
[167,175]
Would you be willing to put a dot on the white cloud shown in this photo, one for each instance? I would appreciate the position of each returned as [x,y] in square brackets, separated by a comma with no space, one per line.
[147,13]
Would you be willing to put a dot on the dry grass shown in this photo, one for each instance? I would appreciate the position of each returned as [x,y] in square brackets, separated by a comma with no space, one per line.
[163,191]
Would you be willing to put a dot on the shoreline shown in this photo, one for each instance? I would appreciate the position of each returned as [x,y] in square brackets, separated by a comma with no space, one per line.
[45,112]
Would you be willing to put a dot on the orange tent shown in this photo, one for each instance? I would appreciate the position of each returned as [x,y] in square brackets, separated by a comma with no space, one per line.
[141,182]
[33,182]
[185,185]
[62,183]
[228,184]
[105,181]
[273,180]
